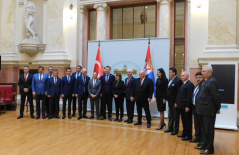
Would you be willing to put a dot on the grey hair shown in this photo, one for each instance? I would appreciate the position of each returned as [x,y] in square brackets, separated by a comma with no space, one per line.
[187,73]
[129,70]
[208,67]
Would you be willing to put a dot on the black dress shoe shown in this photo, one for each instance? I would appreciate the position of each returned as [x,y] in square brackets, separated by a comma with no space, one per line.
[32,116]
[186,138]
[148,125]
[120,120]
[200,147]
[181,135]
[58,117]
[174,133]
[50,117]
[138,123]
[116,119]
[69,116]
[130,121]
[73,114]
[161,127]
[63,117]
[195,140]
[91,117]
[126,120]
[102,118]
[37,117]
[207,152]
[84,116]
[168,130]
[19,117]
[43,117]
[80,117]
[110,118]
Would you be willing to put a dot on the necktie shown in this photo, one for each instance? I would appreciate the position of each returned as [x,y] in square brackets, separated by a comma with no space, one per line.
[141,82]
[181,86]
[55,81]
[68,79]
[127,82]
[107,79]
[40,77]
[26,78]
[195,93]
[94,83]
[84,79]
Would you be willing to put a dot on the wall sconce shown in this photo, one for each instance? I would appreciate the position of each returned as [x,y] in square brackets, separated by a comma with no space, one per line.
[199,5]
[71,11]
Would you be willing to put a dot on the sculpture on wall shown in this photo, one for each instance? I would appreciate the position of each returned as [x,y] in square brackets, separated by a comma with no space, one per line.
[30,10]
[31,45]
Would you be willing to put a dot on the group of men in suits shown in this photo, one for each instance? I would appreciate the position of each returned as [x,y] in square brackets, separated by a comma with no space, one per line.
[202,101]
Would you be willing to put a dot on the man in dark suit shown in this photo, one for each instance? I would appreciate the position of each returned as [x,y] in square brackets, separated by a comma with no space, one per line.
[197,126]
[54,92]
[39,89]
[94,88]
[106,92]
[50,74]
[25,85]
[208,105]
[128,91]
[81,91]
[184,105]
[75,75]
[67,91]
[142,92]
[173,89]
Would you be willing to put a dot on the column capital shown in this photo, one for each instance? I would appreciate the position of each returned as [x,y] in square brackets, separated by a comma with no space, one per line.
[44,1]
[164,1]
[21,3]
[100,5]
[82,8]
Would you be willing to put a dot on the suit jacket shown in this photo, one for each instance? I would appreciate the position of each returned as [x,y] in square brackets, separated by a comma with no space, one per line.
[74,75]
[80,86]
[66,86]
[39,87]
[184,98]
[161,88]
[118,88]
[53,88]
[142,92]
[208,99]
[95,90]
[106,87]
[173,89]
[28,84]
[128,87]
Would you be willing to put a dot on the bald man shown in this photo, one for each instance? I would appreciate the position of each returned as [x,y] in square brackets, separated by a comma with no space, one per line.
[142,92]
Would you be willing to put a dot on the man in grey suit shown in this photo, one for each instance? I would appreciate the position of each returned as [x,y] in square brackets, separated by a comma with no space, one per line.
[94,87]
[208,105]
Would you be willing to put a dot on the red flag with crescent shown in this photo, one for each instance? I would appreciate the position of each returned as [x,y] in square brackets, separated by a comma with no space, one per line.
[98,64]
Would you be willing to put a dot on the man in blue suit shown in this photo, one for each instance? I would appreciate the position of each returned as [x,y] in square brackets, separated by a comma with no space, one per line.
[75,75]
[50,74]
[106,92]
[54,92]
[39,82]
[67,91]
[128,91]
[81,91]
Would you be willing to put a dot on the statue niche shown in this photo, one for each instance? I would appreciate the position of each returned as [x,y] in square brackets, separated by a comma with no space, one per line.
[31,45]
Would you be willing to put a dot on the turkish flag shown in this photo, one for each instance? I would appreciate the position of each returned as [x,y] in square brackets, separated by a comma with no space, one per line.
[98,64]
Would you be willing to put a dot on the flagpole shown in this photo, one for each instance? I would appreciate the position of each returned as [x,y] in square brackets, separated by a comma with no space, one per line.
[99,42]
[149,40]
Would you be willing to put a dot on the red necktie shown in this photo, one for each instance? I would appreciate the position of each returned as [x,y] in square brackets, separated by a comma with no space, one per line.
[141,82]
[107,79]
[181,86]
[127,82]
[26,78]
[55,81]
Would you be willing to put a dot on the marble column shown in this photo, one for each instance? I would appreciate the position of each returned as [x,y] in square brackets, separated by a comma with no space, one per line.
[45,16]
[20,22]
[164,18]
[81,37]
[101,22]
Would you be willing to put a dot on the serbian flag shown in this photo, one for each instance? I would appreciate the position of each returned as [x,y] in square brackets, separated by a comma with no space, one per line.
[98,64]
[148,68]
